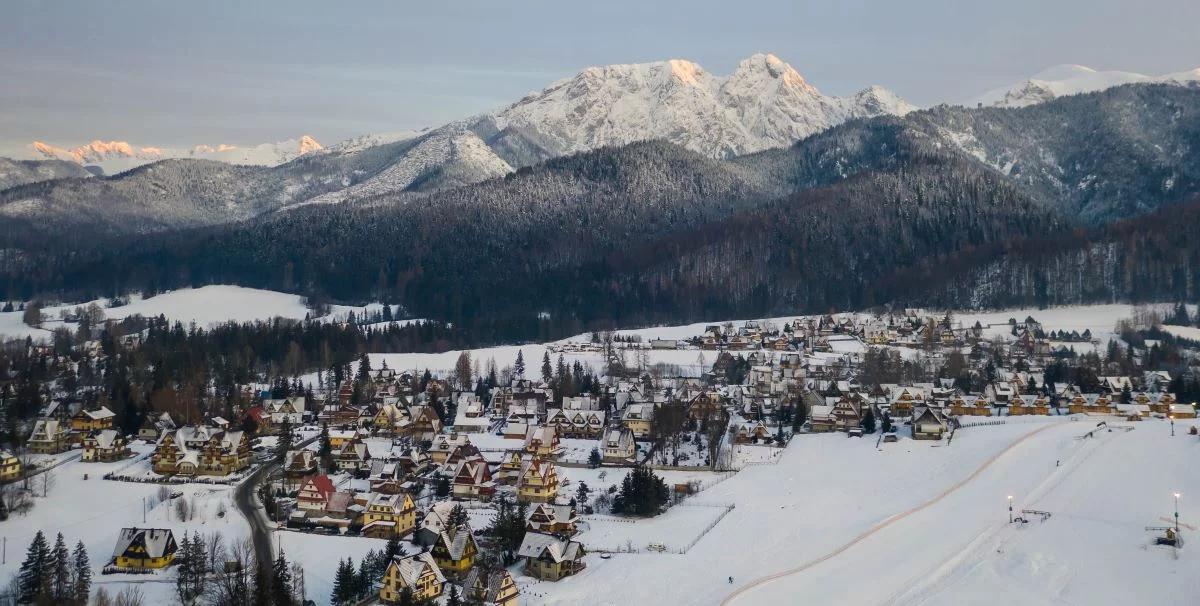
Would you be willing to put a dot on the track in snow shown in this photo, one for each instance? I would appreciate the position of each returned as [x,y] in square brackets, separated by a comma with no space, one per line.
[740,591]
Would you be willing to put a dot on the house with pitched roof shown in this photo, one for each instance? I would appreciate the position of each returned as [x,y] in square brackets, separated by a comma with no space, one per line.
[201,450]
[928,424]
[537,482]
[550,558]
[490,587]
[92,420]
[473,480]
[104,445]
[10,466]
[618,447]
[455,550]
[419,573]
[144,548]
[389,515]
[49,436]
[314,493]
[552,518]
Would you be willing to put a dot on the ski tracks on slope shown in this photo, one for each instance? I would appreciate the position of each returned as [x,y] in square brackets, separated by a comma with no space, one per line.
[744,589]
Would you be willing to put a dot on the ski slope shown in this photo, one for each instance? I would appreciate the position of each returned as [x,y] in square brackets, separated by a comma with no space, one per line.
[918,520]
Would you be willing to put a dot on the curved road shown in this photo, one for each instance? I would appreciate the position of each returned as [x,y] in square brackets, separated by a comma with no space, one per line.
[243,498]
[880,526]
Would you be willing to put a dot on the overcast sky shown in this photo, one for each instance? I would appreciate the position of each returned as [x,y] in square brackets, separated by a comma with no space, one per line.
[180,74]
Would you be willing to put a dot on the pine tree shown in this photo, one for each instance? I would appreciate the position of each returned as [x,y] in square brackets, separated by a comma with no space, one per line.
[262,585]
[594,458]
[82,580]
[547,371]
[457,517]
[341,583]
[33,577]
[183,569]
[519,367]
[284,443]
[406,597]
[281,582]
[453,599]
[60,571]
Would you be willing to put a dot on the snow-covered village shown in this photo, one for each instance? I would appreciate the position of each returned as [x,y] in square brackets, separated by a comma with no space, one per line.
[739,462]
[614,303]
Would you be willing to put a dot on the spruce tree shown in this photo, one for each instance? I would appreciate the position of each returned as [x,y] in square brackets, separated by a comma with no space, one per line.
[82,580]
[284,442]
[519,367]
[60,571]
[33,577]
[406,597]
[183,569]
[341,583]
[281,582]
[453,600]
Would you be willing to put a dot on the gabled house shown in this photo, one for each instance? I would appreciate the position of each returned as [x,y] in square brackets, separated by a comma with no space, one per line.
[553,519]
[541,441]
[419,573]
[153,427]
[388,516]
[490,587]
[201,450]
[104,445]
[550,558]
[10,466]
[618,447]
[821,418]
[92,420]
[928,424]
[290,410]
[639,418]
[353,456]
[49,436]
[455,550]
[473,480]
[537,481]
[144,548]
[444,444]
[314,493]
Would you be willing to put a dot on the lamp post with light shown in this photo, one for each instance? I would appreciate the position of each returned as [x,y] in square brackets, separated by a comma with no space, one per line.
[1177,515]
[1171,418]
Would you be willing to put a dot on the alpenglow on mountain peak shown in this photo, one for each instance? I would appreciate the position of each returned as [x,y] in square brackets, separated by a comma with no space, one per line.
[764,103]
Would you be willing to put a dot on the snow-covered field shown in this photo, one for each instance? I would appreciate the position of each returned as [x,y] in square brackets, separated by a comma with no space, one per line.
[927,523]
[94,511]
[1100,319]
[203,306]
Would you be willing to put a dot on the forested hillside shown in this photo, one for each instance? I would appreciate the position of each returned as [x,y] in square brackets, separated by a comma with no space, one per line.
[945,205]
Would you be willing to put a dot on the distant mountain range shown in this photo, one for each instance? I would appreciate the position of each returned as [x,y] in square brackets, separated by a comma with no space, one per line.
[654,192]
[763,104]
[1069,79]
[946,204]
[118,156]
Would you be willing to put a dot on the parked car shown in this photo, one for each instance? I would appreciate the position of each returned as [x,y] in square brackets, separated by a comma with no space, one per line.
[855,432]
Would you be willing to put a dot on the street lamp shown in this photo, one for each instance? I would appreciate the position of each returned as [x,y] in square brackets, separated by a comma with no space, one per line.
[1172,419]
[1177,516]
[1010,517]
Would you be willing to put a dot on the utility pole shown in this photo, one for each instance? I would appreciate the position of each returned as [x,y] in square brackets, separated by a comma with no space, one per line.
[1010,516]
[1172,419]
[143,510]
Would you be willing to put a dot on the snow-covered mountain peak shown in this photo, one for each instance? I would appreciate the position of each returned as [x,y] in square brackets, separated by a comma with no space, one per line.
[1071,79]
[769,68]
[764,103]
[119,156]
[309,145]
